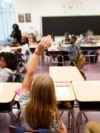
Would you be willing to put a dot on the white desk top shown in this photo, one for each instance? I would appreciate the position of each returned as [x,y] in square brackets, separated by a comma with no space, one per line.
[55,48]
[90,45]
[87,91]
[20,47]
[7,91]
[65,73]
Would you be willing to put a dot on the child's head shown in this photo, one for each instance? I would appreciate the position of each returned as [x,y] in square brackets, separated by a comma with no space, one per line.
[66,34]
[24,40]
[8,60]
[43,90]
[15,26]
[32,38]
[14,41]
[42,105]
[85,34]
[73,39]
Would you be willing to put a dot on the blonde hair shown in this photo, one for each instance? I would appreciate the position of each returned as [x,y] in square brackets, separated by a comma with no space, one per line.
[42,107]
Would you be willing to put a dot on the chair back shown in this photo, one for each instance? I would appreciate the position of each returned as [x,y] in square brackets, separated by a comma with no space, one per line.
[80,60]
[15,129]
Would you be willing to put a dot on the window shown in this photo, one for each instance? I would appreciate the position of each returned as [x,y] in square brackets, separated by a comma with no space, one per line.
[7,18]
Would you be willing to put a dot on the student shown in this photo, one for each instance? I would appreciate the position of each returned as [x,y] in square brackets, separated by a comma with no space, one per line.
[8,65]
[16,33]
[38,99]
[66,38]
[71,51]
[25,54]
[14,43]
[84,39]
[32,40]
[87,38]
[54,42]
[25,51]
[24,40]
[92,127]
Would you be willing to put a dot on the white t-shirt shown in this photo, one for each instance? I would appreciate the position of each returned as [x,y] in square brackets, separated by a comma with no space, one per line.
[5,73]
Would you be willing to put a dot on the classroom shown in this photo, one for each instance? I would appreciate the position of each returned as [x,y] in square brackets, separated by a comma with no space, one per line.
[59,41]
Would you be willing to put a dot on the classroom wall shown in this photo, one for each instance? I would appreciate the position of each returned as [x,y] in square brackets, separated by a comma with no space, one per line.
[39,8]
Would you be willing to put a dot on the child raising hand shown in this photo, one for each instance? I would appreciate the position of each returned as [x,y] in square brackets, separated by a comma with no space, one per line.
[38,98]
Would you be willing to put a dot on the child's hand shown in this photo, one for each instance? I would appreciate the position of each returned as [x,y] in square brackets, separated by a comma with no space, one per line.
[44,44]
[59,46]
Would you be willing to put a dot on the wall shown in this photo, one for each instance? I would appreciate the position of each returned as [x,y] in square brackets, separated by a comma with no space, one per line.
[39,8]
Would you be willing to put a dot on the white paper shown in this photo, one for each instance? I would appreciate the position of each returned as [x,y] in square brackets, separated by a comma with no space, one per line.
[62,91]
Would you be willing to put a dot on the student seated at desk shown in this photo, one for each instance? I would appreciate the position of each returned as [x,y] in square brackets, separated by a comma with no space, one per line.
[38,99]
[24,40]
[14,43]
[66,38]
[32,40]
[71,52]
[92,127]
[54,42]
[25,54]
[8,65]
[87,38]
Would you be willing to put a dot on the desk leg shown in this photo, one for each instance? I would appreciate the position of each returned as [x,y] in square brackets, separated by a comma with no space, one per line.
[79,119]
[71,120]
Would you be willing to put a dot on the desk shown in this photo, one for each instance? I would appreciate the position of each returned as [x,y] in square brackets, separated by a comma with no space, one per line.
[65,98]
[88,96]
[64,92]
[65,73]
[54,51]
[20,47]
[7,94]
[90,46]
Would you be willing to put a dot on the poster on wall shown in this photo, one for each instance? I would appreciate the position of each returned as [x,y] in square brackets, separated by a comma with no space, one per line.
[21,18]
[27,17]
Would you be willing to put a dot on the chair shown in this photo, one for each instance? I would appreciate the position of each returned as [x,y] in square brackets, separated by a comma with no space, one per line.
[15,129]
[80,60]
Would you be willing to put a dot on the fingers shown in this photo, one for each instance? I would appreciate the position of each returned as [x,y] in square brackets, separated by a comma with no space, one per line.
[44,44]
[46,41]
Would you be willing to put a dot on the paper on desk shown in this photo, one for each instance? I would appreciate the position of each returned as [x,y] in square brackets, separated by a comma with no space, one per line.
[62,91]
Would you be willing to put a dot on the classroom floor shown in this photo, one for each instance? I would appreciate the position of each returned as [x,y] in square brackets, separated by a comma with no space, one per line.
[92,72]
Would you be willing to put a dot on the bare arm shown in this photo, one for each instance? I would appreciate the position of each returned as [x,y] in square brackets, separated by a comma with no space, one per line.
[63,129]
[33,63]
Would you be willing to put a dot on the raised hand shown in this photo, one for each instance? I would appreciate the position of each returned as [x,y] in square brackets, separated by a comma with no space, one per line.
[44,44]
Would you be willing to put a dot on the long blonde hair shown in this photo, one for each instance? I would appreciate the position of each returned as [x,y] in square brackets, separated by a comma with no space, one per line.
[42,107]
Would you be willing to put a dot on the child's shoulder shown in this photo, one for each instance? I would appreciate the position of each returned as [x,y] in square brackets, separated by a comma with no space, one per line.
[5,73]
[6,70]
